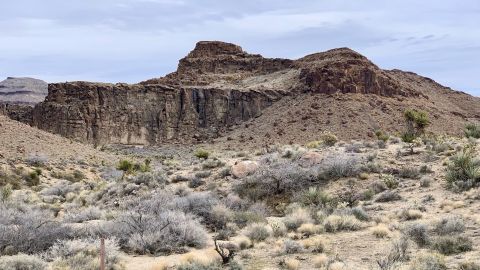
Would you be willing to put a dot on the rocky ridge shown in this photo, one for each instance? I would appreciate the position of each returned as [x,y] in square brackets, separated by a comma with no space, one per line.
[219,91]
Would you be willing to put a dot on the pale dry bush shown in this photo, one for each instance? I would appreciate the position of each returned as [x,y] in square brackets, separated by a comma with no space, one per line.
[309,229]
[428,261]
[291,247]
[202,258]
[335,223]
[278,228]
[296,218]
[292,264]
[82,215]
[320,261]
[450,225]
[381,231]
[83,254]
[148,233]
[243,242]
[410,214]
[337,266]
[317,244]
[257,231]
[29,230]
[22,262]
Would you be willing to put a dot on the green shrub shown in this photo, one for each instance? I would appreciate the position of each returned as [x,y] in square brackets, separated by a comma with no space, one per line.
[382,136]
[201,153]
[472,131]
[463,171]
[258,231]
[33,178]
[389,181]
[329,139]
[125,165]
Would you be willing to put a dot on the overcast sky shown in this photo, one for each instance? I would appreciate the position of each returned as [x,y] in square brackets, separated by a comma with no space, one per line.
[134,40]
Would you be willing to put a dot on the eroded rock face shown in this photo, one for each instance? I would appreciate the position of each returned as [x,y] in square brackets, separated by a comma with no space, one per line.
[143,114]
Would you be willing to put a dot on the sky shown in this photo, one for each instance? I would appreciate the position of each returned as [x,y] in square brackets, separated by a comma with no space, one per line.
[134,40]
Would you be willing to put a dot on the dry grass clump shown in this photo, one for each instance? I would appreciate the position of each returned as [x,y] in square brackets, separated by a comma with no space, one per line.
[291,247]
[320,261]
[381,231]
[335,223]
[292,264]
[296,218]
[309,229]
[317,244]
[428,261]
[243,242]
[469,266]
[199,258]
[22,261]
[278,228]
[410,214]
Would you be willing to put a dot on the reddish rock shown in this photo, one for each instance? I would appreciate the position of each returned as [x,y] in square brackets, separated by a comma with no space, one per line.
[244,168]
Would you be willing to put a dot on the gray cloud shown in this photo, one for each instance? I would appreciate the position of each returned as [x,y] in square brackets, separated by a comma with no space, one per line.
[133,40]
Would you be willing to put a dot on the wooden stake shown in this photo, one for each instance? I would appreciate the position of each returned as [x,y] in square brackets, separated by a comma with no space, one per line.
[102,253]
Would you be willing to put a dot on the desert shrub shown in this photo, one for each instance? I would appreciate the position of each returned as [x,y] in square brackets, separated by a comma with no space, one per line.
[409,172]
[292,247]
[335,223]
[313,196]
[203,174]
[180,178]
[472,131]
[416,121]
[150,179]
[378,186]
[396,256]
[243,218]
[282,177]
[212,163]
[450,225]
[154,233]
[381,135]
[389,181]
[296,218]
[221,215]
[309,229]
[329,139]
[125,165]
[463,172]
[448,245]
[195,182]
[278,228]
[199,204]
[201,153]
[29,231]
[410,214]
[381,231]
[313,144]
[388,196]
[338,167]
[428,261]
[359,213]
[425,181]
[33,178]
[316,244]
[61,188]
[354,148]
[257,231]
[468,266]
[37,160]
[22,262]
[89,213]
[5,192]
[419,234]
[83,254]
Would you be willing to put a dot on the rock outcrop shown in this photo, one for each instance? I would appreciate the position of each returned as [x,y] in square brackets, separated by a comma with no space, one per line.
[218,86]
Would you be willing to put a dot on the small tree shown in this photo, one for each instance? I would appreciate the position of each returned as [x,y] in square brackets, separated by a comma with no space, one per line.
[417,122]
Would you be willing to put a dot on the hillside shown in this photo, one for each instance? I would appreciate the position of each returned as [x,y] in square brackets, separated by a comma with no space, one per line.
[220,91]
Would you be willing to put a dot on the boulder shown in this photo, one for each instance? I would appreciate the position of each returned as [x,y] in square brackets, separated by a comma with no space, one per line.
[244,168]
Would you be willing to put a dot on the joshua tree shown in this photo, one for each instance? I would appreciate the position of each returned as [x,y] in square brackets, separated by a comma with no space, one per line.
[417,122]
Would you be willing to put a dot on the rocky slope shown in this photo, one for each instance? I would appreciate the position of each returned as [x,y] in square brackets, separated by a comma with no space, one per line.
[221,91]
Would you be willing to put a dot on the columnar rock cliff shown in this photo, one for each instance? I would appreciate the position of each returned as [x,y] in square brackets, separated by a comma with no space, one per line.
[218,86]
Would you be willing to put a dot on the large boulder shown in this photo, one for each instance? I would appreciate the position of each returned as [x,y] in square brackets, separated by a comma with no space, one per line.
[244,168]
[310,159]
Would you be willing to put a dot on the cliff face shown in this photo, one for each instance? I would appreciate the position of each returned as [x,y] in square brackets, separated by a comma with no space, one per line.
[144,114]
[218,85]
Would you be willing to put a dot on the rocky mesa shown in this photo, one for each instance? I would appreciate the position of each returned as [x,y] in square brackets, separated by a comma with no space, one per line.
[221,91]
